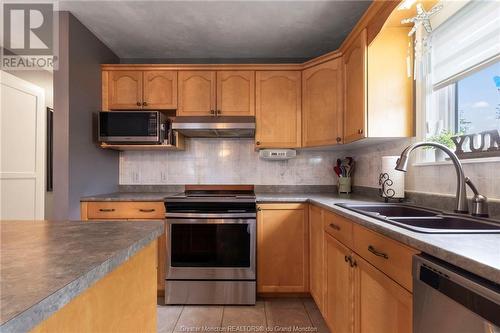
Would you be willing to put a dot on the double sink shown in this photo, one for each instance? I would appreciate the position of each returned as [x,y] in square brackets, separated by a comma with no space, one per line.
[425,220]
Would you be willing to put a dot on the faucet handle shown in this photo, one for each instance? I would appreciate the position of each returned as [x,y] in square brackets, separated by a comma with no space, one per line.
[479,202]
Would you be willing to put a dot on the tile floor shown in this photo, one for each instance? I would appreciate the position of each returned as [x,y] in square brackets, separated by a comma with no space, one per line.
[270,314]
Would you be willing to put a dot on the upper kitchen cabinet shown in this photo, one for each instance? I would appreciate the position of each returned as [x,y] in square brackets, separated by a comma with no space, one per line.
[124,90]
[137,89]
[354,60]
[235,93]
[322,107]
[378,90]
[160,90]
[196,93]
[278,109]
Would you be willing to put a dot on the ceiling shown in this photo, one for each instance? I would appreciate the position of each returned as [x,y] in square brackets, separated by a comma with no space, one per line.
[251,30]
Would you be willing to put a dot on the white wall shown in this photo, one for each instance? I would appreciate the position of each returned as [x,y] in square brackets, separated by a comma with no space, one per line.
[218,161]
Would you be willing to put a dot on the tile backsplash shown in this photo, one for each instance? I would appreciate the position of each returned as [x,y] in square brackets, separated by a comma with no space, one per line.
[224,161]
[437,179]
[234,161]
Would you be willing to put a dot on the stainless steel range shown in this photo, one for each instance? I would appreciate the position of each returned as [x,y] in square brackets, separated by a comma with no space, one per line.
[211,241]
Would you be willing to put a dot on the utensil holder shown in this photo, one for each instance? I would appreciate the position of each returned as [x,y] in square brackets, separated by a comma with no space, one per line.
[344,185]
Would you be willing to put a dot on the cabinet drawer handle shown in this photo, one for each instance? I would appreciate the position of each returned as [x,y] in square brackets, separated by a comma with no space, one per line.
[334,226]
[147,210]
[107,210]
[377,253]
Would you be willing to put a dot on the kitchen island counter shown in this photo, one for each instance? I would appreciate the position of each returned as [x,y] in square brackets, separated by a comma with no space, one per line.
[45,264]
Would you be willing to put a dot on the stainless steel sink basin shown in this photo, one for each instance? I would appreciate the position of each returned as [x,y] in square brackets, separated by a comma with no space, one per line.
[425,220]
[392,210]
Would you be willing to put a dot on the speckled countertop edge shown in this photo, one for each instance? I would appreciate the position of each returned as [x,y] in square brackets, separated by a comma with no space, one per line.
[128,196]
[28,319]
[460,250]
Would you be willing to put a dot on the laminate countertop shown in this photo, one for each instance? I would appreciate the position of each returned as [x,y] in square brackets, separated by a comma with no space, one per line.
[45,264]
[477,253]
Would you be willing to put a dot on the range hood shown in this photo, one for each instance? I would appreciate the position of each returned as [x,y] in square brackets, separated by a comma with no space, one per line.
[215,127]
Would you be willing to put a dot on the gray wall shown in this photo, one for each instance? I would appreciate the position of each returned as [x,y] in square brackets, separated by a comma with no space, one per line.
[80,167]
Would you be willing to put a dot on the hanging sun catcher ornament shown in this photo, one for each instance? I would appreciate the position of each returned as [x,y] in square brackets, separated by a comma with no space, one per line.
[420,21]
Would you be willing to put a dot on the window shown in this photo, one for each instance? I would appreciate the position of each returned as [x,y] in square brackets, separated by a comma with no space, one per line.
[463,81]
[478,101]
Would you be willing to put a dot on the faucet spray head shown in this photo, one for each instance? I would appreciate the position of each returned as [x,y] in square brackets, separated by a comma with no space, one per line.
[402,163]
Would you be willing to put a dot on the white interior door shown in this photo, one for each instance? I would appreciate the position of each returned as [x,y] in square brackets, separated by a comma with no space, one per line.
[22,149]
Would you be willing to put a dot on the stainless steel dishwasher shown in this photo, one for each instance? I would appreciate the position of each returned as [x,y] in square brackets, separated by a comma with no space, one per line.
[448,299]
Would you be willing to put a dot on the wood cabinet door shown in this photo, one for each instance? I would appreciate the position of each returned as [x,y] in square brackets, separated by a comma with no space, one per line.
[282,248]
[236,93]
[316,255]
[322,108]
[339,287]
[196,93]
[160,90]
[355,82]
[382,305]
[125,90]
[278,109]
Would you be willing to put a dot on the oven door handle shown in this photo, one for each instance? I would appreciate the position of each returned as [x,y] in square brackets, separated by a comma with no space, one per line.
[251,221]
[209,215]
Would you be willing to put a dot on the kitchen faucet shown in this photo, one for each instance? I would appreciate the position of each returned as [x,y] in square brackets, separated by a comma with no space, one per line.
[479,202]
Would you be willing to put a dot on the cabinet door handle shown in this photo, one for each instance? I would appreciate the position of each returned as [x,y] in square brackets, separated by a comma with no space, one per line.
[346,258]
[218,112]
[259,209]
[107,210]
[212,112]
[147,210]
[144,103]
[377,253]
[334,226]
[339,139]
[360,131]
[138,103]
[353,262]
[258,143]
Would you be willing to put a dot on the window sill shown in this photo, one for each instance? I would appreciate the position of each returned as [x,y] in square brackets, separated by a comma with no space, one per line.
[465,161]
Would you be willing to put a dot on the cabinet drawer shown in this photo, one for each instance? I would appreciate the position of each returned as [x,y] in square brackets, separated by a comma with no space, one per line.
[391,257]
[339,227]
[125,210]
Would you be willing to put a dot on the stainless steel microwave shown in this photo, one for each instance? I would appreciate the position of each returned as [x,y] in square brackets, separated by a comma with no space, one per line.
[140,127]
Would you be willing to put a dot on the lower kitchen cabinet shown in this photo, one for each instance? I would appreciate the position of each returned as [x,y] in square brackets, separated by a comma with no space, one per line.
[131,210]
[316,255]
[282,248]
[339,287]
[366,287]
[381,305]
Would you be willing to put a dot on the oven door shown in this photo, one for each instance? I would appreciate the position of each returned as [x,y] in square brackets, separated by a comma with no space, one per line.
[211,248]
